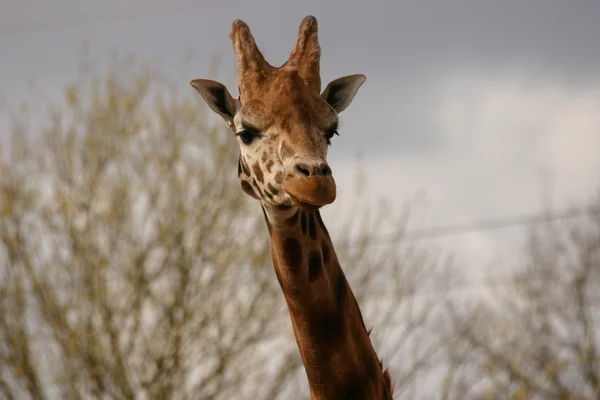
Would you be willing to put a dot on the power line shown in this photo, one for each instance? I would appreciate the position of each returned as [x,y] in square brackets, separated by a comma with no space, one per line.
[508,280]
[496,282]
[479,226]
[119,13]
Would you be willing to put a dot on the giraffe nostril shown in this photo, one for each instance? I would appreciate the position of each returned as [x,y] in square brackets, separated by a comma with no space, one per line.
[303,169]
[325,170]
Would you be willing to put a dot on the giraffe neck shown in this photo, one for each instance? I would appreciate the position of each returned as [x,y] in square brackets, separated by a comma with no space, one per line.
[334,344]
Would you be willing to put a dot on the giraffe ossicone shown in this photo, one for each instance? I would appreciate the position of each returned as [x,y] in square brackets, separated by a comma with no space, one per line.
[284,125]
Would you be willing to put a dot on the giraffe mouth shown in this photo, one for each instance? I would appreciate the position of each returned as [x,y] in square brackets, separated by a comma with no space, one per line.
[305,206]
[311,193]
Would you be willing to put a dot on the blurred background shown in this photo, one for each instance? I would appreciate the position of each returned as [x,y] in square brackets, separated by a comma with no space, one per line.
[467,217]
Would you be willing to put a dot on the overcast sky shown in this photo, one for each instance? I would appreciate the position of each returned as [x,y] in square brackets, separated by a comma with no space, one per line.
[478,104]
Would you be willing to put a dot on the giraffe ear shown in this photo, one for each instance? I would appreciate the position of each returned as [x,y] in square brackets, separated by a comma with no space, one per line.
[340,92]
[217,97]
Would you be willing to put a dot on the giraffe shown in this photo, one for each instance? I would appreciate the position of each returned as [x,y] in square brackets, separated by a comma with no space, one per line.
[284,125]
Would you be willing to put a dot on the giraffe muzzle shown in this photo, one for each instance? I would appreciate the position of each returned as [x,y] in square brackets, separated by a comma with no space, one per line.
[310,192]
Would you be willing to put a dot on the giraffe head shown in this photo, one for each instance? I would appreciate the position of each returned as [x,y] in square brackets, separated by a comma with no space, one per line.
[283,122]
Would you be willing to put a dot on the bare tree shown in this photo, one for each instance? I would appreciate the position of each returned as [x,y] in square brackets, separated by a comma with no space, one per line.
[133,266]
[541,338]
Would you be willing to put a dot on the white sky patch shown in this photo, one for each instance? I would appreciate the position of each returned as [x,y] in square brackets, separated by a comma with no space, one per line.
[508,142]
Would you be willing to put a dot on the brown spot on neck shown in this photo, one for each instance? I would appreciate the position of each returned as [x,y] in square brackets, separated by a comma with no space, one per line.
[303,222]
[315,265]
[312,228]
[292,255]
[326,251]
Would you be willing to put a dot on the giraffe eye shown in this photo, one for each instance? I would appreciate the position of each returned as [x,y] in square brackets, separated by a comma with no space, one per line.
[247,136]
[329,134]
